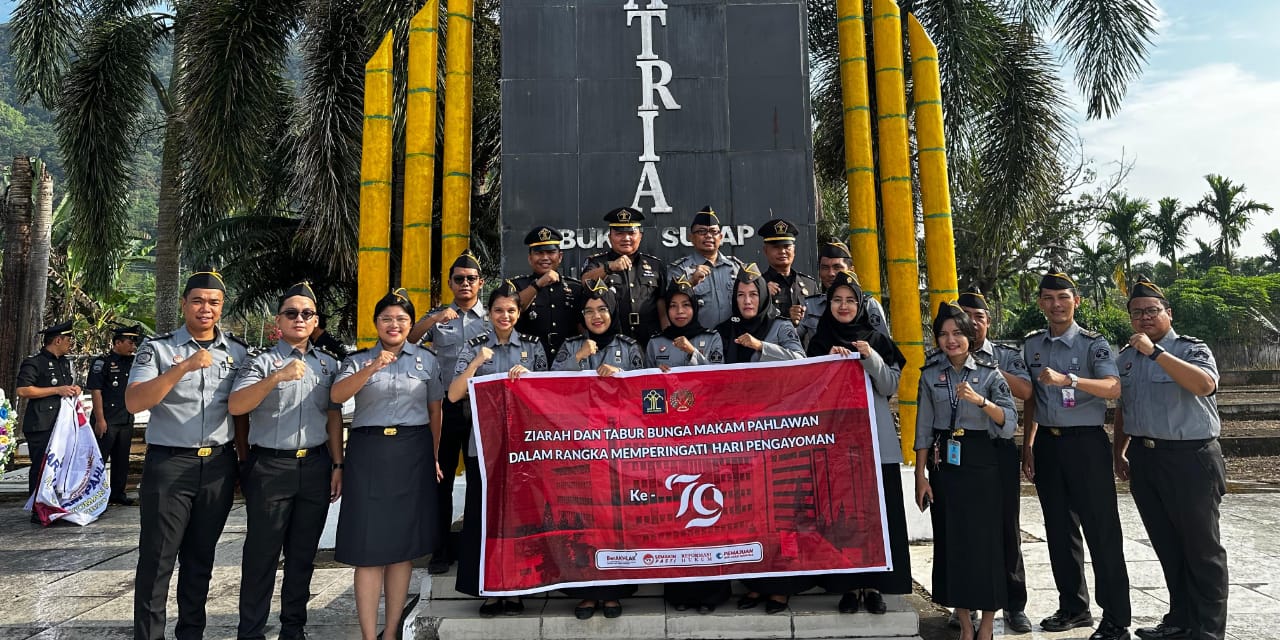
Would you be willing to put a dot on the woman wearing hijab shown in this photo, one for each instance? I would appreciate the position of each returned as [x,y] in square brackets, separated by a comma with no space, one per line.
[388,510]
[845,328]
[685,342]
[502,350]
[603,350]
[755,333]
[966,408]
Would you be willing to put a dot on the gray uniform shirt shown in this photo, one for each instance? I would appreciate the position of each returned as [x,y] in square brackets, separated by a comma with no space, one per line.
[622,352]
[520,349]
[1084,353]
[816,305]
[194,413]
[707,349]
[884,383]
[938,382]
[714,295]
[448,338]
[781,343]
[295,414]
[1008,358]
[1155,406]
[399,395]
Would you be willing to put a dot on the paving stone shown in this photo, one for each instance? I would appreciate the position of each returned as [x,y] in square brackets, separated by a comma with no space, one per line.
[641,618]
[818,617]
[461,620]
[43,609]
[727,623]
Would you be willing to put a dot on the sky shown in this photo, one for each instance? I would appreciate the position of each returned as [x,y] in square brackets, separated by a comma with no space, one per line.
[1206,103]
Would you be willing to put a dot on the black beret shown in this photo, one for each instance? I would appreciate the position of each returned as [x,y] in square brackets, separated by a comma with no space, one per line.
[301,289]
[624,217]
[1056,280]
[543,237]
[834,249]
[465,261]
[1145,288]
[205,278]
[706,217]
[947,310]
[780,231]
[973,298]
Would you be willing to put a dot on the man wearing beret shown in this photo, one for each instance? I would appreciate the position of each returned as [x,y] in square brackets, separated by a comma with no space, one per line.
[549,302]
[44,379]
[711,272]
[834,258]
[112,422]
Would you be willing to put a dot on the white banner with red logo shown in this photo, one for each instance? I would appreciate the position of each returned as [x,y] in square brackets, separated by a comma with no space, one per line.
[74,485]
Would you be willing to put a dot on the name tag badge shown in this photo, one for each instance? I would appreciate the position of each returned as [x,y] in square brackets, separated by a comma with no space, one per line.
[1068,397]
[953,452]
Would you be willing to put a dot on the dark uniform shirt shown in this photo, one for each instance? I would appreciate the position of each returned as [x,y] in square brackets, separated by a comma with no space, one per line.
[43,369]
[295,414]
[637,289]
[523,350]
[1154,405]
[110,374]
[194,413]
[792,289]
[553,315]
[1079,351]
[622,352]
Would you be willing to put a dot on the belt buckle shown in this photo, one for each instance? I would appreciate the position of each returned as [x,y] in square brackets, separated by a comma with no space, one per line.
[1149,443]
[300,453]
[204,452]
[958,432]
[1055,431]
[389,431]
[634,319]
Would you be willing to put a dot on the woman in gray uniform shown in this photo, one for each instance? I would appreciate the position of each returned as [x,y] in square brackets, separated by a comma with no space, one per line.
[844,328]
[502,350]
[965,409]
[685,341]
[607,352]
[755,333]
[389,490]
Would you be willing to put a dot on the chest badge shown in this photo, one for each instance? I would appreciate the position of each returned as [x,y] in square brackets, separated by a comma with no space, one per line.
[662,348]
[278,363]
[177,359]
[533,315]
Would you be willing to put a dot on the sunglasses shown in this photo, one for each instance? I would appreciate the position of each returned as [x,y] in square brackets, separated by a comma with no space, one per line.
[462,279]
[293,314]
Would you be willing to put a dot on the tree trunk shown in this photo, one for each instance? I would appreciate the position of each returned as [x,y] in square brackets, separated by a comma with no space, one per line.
[169,205]
[38,265]
[14,335]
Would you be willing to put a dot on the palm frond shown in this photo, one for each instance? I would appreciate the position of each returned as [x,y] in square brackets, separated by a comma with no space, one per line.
[1108,40]
[44,35]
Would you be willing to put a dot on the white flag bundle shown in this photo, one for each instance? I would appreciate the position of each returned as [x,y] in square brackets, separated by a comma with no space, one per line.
[73,486]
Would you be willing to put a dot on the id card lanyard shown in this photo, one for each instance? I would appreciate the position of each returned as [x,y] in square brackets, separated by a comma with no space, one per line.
[953,445]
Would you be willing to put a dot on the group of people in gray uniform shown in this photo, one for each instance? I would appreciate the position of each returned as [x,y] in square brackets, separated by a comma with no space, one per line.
[271,422]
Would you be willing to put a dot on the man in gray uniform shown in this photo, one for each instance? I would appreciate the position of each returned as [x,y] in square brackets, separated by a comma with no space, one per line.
[710,272]
[448,328]
[1168,424]
[1067,455]
[833,258]
[188,479]
[1014,370]
[788,287]
[290,476]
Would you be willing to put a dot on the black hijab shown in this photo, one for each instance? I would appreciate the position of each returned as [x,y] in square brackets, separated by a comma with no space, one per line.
[600,291]
[681,286]
[758,326]
[832,333]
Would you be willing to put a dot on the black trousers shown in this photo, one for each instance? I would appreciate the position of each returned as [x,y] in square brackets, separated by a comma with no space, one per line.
[468,581]
[286,500]
[1010,469]
[37,446]
[114,445]
[1077,487]
[184,501]
[454,433]
[1178,493]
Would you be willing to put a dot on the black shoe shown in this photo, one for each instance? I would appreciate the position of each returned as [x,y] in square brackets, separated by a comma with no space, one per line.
[612,610]
[294,635]
[35,519]
[1162,631]
[773,606]
[848,603]
[491,609]
[584,611]
[1061,621]
[1109,630]
[439,564]
[512,607]
[680,606]
[749,601]
[127,502]
[704,609]
[874,602]
[1016,622]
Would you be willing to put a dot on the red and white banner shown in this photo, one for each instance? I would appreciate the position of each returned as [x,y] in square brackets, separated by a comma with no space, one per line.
[73,486]
[698,474]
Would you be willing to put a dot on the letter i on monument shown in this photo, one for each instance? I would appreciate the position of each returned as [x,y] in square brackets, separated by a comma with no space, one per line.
[655,75]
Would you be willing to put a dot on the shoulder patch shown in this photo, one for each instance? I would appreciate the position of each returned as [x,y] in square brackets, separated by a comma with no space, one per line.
[1034,333]
[325,351]
[479,340]
[437,309]
[98,364]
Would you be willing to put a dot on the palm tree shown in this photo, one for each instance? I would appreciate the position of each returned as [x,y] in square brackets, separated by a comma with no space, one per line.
[1231,215]
[1272,239]
[1167,228]
[1094,268]
[1125,219]
[1204,258]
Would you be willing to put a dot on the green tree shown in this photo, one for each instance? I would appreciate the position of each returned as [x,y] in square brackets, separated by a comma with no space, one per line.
[1224,206]
[1272,240]
[1125,219]
[1094,268]
[1167,229]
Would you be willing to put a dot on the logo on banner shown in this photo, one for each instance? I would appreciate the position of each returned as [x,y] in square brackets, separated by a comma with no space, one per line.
[654,401]
[682,399]
[696,495]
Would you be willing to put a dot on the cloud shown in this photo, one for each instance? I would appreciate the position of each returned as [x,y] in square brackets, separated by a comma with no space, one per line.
[1215,118]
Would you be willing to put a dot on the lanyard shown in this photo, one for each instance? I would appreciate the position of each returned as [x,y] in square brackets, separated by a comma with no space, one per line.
[951,395]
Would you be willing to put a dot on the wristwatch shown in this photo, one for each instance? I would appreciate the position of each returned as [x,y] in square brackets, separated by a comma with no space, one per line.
[1075,379]
[337,466]
[1156,350]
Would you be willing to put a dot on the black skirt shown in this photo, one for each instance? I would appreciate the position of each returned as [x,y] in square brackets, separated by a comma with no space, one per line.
[388,497]
[468,581]
[711,593]
[968,543]
[899,579]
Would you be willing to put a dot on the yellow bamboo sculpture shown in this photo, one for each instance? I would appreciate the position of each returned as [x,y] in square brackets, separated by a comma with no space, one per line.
[899,213]
[375,191]
[860,176]
[935,197]
[455,226]
[420,154]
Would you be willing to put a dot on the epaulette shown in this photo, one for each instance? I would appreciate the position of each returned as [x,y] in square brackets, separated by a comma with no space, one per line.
[982,360]
[1034,333]
[801,274]
[524,337]
[1125,348]
[815,296]
[1092,335]
[238,340]
[931,357]
[478,341]
[437,309]
[1007,347]
[358,351]
[326,352]
[1191,339]
[564,278]
[627,339]
[163,336]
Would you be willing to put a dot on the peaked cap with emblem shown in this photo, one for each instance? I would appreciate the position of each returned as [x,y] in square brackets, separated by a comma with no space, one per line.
[204,278]
[624,217]
[122,332]
[706,217]
[397,297]
[778,231]
[60,329]
[1145,288]
[973,298]
[300,289]
[466,260]
[834,249]
[543,237]
[1056,279]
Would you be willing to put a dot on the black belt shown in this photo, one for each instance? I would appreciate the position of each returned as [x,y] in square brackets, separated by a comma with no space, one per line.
[388,431]
[1157,443]
[1069,431]
[961,433]
[288,453]
[203,452]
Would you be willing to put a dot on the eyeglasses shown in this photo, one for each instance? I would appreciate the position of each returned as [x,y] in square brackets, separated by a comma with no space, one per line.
[1149,312]
[394,319]
[714,231]
[293,314]
[462,279]
[595,312]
